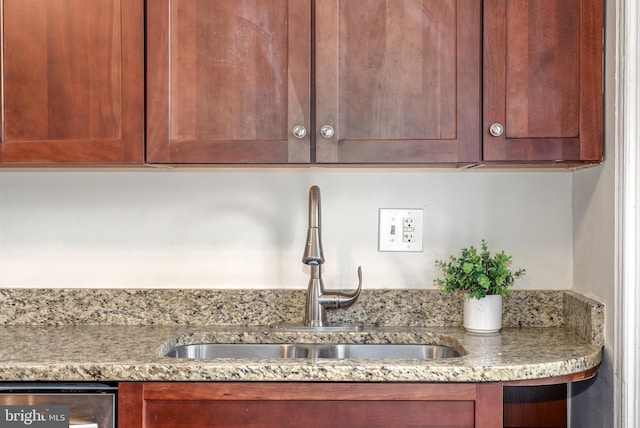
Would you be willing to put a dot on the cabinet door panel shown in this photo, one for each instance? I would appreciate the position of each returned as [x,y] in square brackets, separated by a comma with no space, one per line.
[398,80]
[543,80]
[535,406]
[227,80]
[547,45]
[73,81]
[312,414]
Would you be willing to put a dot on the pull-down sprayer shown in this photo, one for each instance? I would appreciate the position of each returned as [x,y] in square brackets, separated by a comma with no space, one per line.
[313,250]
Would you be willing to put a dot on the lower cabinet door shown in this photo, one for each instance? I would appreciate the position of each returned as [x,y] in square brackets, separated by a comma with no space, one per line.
[535,406]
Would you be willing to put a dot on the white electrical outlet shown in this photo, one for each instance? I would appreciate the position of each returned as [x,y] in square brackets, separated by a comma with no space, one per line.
[400,229]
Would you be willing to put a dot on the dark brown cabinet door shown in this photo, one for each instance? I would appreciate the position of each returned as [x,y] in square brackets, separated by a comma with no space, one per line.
[228,80]
[543,80]
[72,81]
[398,81]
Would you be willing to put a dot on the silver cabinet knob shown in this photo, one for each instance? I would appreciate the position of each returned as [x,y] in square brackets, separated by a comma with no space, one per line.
[299,131]
[327,131]
[496,129]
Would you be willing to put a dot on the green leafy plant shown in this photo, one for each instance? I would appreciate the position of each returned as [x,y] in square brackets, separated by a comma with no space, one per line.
[477,273]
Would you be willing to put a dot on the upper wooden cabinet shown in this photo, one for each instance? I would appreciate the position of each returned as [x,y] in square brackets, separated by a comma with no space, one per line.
[72,81]
[398,81]
[297,81]
[543,80]
[228,81]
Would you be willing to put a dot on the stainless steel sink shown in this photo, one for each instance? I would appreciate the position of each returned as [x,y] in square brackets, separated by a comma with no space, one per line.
[304,350]
[385,351]
[239,350]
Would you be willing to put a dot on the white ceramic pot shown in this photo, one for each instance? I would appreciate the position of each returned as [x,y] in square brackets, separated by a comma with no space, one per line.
[483,315]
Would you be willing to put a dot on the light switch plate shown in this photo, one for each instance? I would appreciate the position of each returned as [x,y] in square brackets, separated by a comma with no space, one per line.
[400,229]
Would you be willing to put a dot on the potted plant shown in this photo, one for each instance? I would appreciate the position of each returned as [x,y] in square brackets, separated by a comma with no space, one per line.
[483,279]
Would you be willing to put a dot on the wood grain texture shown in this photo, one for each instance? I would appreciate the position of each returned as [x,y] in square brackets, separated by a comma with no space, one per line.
[130,405]
[319,405]
[313,414]
[227,81]
[541,406]
[543,80]
[398,80]
[73,81]
[488,409]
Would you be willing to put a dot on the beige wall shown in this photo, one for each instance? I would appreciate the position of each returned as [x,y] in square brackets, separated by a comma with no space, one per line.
[592,402]
[246,228]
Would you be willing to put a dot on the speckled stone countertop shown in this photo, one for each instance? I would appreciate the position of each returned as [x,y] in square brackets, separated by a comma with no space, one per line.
[120,335]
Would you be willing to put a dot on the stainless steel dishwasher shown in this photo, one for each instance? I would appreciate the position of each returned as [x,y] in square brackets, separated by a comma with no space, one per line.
[57,405]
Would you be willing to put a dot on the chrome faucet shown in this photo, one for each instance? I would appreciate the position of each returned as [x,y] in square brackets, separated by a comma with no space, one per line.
[318,299]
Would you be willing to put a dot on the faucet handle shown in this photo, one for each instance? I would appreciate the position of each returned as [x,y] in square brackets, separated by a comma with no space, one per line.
[359,281]
[347,298]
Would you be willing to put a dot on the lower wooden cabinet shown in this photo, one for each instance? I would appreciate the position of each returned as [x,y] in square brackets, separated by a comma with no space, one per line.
[310,405]
[336,405]
[535,406]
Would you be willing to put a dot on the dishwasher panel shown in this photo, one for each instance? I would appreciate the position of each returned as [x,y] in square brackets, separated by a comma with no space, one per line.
[46,405]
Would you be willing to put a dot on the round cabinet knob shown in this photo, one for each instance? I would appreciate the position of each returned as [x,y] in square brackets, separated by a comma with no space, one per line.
[496,129]
[299,131]
[327,131]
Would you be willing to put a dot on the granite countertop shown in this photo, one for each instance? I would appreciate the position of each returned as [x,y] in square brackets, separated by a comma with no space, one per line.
[86,343]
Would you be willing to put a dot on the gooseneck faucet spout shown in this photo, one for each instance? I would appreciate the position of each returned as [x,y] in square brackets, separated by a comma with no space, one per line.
[318,299]
[313,250]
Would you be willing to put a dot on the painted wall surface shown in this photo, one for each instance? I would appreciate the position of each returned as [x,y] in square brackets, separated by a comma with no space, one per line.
[592,402]
[594,217]
[246,228]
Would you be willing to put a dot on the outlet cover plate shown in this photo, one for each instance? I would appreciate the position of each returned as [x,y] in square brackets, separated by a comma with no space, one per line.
[400,229]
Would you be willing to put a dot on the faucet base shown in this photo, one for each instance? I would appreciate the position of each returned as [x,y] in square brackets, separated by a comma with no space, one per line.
[320,329]
[319,300]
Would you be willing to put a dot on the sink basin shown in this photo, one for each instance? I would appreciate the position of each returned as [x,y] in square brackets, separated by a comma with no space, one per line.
[239,350]
[379,351]
[304,350]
